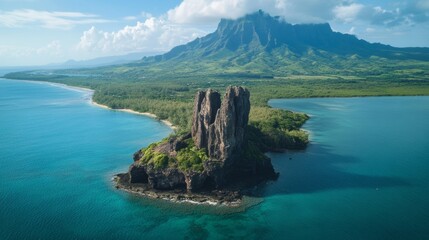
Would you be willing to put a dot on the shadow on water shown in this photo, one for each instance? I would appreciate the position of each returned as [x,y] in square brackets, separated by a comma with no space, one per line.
[319,169]
[313,170]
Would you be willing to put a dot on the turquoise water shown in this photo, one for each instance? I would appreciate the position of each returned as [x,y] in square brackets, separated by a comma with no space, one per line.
[364,175]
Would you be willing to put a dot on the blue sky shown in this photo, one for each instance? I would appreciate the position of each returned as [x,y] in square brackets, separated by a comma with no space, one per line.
[36,32]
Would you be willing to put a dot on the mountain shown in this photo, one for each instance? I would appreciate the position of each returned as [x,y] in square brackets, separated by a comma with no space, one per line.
[104,61]
[261,32]
[261,44]
[95,62]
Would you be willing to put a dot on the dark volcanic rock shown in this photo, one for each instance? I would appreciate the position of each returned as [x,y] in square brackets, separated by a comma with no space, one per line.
[226,135]
[168,178]
[219,128]
[137,174]
[174,144]
[206,105]
[195,180]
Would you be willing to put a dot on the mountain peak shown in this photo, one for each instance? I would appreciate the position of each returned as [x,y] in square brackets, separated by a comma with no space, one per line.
[260,32]
[258,17]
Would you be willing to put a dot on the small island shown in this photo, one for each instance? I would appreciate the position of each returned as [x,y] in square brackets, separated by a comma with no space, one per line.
[216,163]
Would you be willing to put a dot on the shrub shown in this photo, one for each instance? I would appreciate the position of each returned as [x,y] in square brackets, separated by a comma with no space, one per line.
[191,158]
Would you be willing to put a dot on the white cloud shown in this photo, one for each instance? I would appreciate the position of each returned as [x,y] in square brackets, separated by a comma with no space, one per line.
[154,34]
[46,19]
[348,13]
[210,11]
[303,11]
[406,13]
[51,49]
[423,5]
[142,15]
[146,14]
[130,18]
[183,23]
[375,21]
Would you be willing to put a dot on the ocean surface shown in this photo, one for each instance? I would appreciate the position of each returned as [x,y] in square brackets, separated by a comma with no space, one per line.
[365,174]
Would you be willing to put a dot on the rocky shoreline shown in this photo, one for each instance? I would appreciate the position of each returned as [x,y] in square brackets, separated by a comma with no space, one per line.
[224,197]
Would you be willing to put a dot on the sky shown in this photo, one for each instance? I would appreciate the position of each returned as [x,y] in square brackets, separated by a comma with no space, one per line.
[38,32]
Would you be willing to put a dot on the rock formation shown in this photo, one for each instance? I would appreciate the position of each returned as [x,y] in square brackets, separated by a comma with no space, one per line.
[217,148]
[219,128]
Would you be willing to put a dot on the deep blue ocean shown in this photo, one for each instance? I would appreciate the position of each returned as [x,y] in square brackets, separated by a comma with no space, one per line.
[365,174]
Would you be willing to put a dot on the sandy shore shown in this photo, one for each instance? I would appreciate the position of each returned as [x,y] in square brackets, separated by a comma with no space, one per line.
[166,122]
[91,92]
[79,89]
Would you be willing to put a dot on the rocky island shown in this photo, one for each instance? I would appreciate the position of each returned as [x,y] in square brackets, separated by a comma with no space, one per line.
[214,163]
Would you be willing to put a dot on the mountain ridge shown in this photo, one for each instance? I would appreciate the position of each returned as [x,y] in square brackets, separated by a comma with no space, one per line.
[261,32]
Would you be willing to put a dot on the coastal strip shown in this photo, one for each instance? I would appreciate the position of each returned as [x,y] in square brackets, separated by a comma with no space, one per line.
[127,110]
[215,198]
[92,102]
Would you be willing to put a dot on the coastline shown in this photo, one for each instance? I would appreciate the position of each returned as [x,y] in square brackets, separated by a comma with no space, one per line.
[92,102]
[231,198]
[127,110]
[220,198]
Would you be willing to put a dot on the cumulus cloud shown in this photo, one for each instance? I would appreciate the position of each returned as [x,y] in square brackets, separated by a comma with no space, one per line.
[142,15]
[46,19]
[348,13]
[183,23]
[51,49]
[209,11]
[303,11]
[404,13]
[154,34]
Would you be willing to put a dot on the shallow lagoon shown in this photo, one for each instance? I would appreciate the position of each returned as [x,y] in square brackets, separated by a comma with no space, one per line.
[364,175]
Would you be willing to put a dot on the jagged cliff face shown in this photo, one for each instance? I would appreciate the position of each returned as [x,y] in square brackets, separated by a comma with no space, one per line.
[220,128]
[206,106]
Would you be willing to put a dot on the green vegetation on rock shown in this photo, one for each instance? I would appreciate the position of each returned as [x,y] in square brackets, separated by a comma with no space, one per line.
[188,158]
[191,158]
[157,159]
